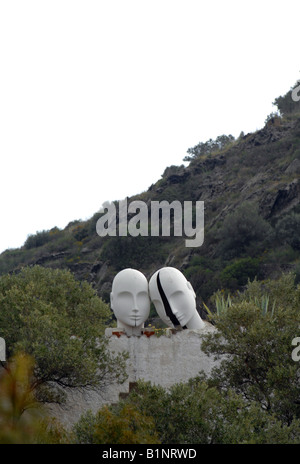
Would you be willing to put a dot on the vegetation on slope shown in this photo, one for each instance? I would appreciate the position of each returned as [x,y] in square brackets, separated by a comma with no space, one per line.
[251,190]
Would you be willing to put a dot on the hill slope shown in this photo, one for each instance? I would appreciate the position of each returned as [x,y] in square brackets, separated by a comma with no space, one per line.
[251,192]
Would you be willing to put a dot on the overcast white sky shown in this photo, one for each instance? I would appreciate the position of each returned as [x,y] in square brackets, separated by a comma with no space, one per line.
[97,98]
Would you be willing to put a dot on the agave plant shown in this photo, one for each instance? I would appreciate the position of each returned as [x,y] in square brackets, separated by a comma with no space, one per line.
[264,304]
[222,304]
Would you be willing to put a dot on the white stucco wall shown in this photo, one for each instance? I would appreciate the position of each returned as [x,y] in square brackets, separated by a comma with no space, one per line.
[163,360]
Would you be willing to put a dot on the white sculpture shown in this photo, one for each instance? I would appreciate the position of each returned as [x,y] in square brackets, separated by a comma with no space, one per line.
[174,299]
[129,300]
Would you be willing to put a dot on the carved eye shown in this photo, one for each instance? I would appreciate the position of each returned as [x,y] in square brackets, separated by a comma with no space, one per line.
[126,298]
[143,300]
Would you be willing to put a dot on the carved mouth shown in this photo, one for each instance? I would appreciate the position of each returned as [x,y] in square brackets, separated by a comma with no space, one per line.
[136,320]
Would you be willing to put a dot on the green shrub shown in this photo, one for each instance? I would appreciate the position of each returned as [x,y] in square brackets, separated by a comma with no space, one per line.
[127,426]
[60,322]
[243,231]
[255,334]
[38,239]
[122,252]
[81,231]
[237,274]
[288,230]
[286,104]
[197,413]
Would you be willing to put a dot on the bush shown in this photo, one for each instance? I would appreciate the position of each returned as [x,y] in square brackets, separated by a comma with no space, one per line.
[81,231]
[236,274]
[127,426]
[288,230]
[254,338]
[22,419]
[122,252]
[204,281]
[60,322]
[196,413]
[243,231]
[39,239]
[209,147]
[285,104]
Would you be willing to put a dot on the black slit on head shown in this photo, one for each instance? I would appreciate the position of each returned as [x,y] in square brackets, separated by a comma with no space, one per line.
[167,307]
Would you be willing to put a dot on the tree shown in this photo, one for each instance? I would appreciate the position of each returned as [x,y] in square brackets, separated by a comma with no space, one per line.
[254,345]
[16,397]
[243,231]
[20,422]
[126,426]
[60,322]
[290,102]
[209,147]
[236,274]
[197,413]
[288,230]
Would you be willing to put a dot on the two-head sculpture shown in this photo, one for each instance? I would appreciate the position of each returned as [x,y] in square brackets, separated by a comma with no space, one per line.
[172,295]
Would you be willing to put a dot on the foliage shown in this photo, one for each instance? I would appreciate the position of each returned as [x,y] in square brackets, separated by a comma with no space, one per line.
[221,304]
[254,343]
[15,398]
[14,258]
[203,273]
[281,291]
[297,274]
[288,230]
[243,231]
[40,238]
[203,281]
[52,432]
[22,419]
[286,104]
[122,252]
[59,322]
[173,170]
[209,147]
[196,413]
[81,231]
[273,117]
[256,159]
[236,274]
[127,425]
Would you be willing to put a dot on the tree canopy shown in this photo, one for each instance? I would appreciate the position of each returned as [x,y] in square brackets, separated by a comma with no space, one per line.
[254,345]
[290,102]
[209,147]
[60,323]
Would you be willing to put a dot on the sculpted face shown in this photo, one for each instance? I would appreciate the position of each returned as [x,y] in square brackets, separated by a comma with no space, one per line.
[129,298]
[174,299]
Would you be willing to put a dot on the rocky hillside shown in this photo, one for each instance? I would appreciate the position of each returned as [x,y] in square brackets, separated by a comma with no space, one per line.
[251,192]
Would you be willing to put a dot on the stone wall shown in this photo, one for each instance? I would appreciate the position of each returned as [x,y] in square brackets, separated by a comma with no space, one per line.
[164,360]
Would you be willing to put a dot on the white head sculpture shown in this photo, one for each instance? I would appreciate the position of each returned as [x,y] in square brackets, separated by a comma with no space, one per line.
[174,299]
[129,300]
